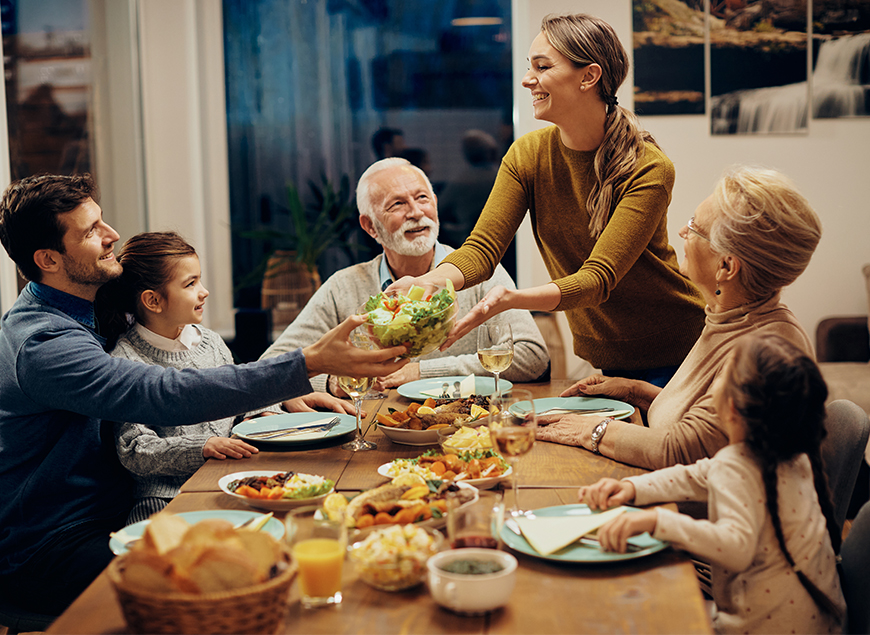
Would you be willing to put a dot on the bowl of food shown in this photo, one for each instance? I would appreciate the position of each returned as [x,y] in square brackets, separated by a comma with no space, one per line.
[472,581]
[393,558]
[418,320]
[276,491]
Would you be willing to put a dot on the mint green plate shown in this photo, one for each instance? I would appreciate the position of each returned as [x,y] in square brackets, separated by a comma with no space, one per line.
[577,552]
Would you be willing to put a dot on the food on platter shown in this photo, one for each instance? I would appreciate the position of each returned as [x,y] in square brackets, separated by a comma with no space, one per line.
[393,504]
[466,439]
[464,465]
[209,556]
[433,414]
[281,485]
[394,558]
[417,321]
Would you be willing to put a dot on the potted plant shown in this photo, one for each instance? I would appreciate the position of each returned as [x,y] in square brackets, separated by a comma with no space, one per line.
[289,269]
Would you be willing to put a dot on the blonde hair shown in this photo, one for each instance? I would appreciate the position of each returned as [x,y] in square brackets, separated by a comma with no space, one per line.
[585,39]
[763,220]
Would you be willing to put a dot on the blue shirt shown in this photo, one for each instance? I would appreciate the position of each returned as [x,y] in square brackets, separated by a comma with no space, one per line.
[387,277]
[57,385]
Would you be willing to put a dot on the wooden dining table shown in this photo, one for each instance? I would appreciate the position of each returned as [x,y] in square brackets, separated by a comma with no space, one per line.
[658,593]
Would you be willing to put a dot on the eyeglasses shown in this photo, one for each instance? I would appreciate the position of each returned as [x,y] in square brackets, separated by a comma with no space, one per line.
[691,226]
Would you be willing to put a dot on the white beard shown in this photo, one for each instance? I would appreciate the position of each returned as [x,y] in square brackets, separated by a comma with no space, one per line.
[397,242]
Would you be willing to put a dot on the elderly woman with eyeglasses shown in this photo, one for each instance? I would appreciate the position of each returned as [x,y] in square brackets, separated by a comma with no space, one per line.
[753,236]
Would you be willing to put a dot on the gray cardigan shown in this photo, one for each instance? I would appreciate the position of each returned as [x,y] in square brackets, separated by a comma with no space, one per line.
[162,458]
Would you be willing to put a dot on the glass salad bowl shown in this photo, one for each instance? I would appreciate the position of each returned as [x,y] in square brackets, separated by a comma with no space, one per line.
[419,320]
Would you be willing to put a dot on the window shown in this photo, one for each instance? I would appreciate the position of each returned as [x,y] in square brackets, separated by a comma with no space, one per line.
[310,83]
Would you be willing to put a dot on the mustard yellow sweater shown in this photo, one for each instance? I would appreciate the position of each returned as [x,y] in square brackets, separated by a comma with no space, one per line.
[626,302]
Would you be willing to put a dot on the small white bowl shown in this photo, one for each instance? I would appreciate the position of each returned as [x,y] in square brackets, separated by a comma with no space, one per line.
[472,594]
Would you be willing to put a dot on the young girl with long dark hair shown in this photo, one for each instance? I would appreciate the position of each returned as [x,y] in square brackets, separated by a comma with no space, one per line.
[161,288]
[771,537]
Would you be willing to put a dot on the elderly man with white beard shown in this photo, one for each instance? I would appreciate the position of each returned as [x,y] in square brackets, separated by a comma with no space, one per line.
[399,210]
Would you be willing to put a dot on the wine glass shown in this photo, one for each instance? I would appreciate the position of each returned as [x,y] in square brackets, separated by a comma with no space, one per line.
[512,429]
[356,388]
[495,348]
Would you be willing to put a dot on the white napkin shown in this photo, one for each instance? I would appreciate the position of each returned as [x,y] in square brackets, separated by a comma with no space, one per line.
[548,534]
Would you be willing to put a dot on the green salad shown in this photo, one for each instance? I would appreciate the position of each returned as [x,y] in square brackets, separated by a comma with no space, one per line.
[415,320]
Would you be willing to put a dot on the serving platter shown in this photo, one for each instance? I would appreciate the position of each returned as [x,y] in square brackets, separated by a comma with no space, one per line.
[432,523]
[479,483]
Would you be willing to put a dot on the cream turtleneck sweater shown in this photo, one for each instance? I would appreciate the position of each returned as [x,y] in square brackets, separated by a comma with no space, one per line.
[683,426]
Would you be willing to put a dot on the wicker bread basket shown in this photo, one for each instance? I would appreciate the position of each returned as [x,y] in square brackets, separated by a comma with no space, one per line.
[255,609]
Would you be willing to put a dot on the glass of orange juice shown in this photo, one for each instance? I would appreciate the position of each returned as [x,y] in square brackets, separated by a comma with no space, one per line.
[319,545]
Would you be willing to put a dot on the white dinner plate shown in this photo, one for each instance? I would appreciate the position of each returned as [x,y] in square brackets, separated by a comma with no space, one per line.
[277,505]
[621,410]
[346,424]
[482,386]
[577,552]
[479,483]
[236,516]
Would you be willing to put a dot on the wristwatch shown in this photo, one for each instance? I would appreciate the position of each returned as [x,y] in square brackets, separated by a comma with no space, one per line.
[598,434]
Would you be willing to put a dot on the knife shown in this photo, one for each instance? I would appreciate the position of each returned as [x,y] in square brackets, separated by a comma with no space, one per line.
[324,425]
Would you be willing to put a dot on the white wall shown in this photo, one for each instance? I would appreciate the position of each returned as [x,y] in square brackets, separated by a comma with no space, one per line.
[830,165]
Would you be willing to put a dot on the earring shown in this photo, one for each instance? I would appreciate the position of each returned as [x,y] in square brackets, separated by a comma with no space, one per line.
[718,290]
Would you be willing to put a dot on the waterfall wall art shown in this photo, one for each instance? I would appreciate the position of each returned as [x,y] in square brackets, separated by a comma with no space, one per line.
[772,64]
[841,59]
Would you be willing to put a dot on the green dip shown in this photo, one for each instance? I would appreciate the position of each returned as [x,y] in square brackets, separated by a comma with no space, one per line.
[468,566]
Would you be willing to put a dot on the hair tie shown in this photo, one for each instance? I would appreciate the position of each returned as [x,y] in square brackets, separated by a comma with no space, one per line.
[612,101]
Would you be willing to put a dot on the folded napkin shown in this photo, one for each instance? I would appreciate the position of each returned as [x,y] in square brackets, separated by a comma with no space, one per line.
[548,534]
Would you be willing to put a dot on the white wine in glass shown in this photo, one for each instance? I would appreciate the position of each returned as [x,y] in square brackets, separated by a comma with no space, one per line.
[356,388]
[495,348]
[513,435]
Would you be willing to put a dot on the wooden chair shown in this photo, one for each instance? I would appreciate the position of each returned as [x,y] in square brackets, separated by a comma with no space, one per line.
[549,327]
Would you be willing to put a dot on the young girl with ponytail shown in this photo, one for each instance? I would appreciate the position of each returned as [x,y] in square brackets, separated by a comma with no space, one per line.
[771,537]
[597,189]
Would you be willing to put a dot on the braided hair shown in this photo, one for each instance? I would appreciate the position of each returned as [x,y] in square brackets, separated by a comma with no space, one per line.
[586,39]
[779,393]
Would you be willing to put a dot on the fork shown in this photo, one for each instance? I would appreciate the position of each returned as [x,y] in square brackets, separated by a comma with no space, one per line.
[272,434]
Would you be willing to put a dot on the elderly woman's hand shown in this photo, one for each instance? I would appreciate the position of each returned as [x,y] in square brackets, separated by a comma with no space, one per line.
[567,429]
[637,393]
[599,385]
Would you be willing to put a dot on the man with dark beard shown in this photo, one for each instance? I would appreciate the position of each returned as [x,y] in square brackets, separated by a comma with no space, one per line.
[63,488]
[400,211]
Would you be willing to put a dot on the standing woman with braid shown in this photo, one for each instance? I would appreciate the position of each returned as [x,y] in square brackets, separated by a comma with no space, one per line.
[597,188]
[771,536]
